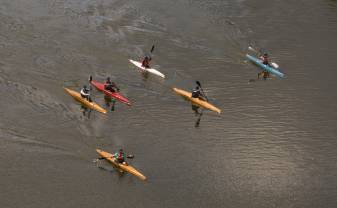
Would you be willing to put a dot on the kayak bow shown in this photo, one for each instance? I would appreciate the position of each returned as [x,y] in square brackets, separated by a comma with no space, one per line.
[123,167]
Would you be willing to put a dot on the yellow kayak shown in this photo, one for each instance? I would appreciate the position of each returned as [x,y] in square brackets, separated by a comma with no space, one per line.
[123,167]
[196,101]
[77,96]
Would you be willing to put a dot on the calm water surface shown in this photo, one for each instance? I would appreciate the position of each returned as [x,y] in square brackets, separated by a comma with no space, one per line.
[274,145]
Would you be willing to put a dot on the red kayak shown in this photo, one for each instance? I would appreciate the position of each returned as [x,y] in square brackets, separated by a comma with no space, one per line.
[116,95]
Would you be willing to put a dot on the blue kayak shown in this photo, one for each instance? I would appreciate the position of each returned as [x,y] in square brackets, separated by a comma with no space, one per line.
[267,68]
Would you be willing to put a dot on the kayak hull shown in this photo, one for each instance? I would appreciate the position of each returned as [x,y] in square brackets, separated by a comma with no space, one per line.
[122,167]
[196,101]
[267,68]
[92,105]
[150,70]
[116,95]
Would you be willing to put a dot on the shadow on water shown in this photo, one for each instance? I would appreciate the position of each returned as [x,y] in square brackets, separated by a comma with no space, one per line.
[196,110]
[145,75]
[110,169]
[86,111]
[197,123]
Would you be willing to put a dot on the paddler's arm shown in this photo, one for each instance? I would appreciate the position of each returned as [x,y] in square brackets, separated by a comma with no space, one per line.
[202,96]
[114,85]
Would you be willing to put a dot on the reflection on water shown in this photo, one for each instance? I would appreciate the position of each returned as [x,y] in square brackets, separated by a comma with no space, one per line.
[109,102]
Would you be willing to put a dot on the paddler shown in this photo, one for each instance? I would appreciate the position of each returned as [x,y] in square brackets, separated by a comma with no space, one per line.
[146,62]
[265,59]
[197,93]
[111,86]
[120,156]
[85,93]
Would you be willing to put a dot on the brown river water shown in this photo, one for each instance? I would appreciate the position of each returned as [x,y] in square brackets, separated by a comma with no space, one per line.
[274,145]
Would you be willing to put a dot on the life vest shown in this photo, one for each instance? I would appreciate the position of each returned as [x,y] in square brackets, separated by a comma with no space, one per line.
[85,92]
[120,157]
[109,86]
[107,83]
[195,93]
[146,62]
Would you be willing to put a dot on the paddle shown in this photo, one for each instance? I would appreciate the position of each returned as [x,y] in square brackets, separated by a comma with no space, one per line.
[252,49]
[152,49]
[203,93]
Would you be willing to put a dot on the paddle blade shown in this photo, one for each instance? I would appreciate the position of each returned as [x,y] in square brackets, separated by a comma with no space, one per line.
[152,49]
[275,65]
[198,83]
[130,156]
[251,48]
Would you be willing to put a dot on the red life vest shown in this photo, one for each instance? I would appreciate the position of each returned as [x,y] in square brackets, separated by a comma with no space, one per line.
[120,156]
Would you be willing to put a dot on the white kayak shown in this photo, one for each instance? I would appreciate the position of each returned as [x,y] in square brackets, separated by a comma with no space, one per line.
[150,70]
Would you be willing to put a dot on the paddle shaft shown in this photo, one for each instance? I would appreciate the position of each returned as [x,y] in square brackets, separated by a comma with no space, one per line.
[151,51]
[202,90]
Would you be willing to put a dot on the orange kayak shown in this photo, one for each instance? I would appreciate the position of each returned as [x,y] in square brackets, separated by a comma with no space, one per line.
[196,101]
[77,96]
[123,167]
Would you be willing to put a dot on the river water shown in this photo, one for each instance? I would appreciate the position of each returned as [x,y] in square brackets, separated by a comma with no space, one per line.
[274,145]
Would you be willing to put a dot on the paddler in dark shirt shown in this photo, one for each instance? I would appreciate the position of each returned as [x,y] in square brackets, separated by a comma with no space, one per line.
[85,93]
[265,59]
[146,62]
[110,86]
[196,93]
